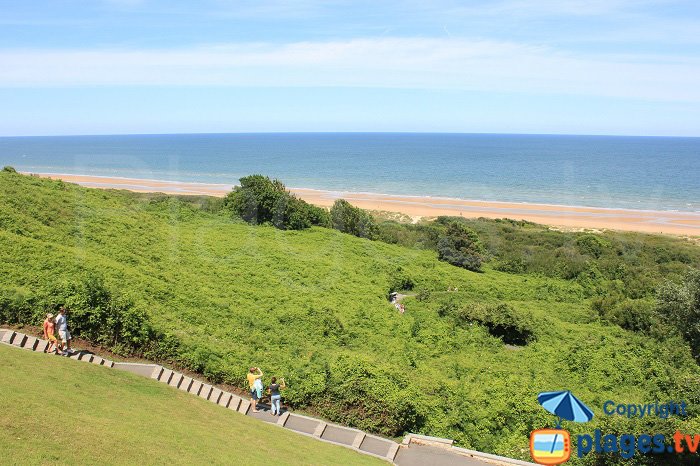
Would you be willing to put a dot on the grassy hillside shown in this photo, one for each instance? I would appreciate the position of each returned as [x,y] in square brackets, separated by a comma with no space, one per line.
[56,411]
[311,306]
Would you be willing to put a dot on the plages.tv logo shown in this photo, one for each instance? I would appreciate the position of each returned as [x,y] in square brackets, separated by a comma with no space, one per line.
[553,446]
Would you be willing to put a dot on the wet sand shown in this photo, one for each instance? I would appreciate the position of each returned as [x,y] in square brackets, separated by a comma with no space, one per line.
[568,217]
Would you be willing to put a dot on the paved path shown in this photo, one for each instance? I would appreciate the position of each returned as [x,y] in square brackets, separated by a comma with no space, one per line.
[421,455]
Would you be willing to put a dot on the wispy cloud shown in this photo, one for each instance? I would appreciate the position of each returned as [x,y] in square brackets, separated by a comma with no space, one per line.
[426,63]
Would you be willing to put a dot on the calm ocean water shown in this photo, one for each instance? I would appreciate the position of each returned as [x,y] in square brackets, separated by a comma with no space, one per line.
[654,173]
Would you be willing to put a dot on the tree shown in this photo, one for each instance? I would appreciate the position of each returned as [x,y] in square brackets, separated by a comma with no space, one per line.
[256,199]
[353,220]
[261,200]
[460,246]
[679,303]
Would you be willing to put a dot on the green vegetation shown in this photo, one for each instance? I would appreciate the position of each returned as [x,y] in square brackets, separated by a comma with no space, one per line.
[352,220]
[680,305]
[55,411]
[218,295]
[259,201]
[460,246]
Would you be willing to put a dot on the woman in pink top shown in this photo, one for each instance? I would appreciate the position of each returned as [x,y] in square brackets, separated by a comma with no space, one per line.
[50,334]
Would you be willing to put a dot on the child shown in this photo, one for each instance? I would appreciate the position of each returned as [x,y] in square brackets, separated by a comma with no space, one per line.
[275,396]
[50,334]
[258,385]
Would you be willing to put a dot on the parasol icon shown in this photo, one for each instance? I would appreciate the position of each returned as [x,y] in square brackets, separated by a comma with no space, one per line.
[565,405]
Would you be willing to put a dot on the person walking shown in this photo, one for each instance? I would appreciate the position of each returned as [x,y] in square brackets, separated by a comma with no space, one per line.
[253,375]
[63,333]
[50,334]
[275,395]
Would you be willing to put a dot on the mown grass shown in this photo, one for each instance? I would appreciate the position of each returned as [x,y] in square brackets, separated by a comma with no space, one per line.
[58,411]
[311,306]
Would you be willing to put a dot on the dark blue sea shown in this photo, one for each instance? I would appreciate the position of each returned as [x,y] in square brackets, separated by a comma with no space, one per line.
[655,173]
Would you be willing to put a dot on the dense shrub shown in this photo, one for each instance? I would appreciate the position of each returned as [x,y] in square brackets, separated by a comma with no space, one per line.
[359,394]
[95,313]
[400,281]
[503,321]
[592,245]
[319,216]
[631,314]
[419,236]
[16,307]
[353,220]
[101,316]
[514,265]
[639,261]
[680,304]
[260,200]
[460,246]
[9,169]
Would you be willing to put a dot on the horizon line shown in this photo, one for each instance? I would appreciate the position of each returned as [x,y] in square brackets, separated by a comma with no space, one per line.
[205,133]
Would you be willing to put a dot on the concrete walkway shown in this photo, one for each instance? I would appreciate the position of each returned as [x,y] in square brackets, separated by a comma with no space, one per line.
[422,455]
[415,450]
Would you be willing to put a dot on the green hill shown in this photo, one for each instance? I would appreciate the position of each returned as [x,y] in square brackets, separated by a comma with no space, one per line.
[57,411]
[183,283]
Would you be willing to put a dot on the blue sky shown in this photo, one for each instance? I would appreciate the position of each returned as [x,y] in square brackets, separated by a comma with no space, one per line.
[513,66]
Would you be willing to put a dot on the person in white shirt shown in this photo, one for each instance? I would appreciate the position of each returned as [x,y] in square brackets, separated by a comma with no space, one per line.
[63,333]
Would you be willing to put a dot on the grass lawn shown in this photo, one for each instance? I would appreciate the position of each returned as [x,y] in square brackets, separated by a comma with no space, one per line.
[54,410]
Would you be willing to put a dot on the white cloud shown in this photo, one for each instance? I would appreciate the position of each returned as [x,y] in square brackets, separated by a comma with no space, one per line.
[427,63]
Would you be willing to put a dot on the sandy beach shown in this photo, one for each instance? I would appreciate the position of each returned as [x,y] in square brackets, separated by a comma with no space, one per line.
[568,217]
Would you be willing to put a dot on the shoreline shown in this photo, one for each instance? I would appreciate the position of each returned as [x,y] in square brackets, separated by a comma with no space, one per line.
[424,207]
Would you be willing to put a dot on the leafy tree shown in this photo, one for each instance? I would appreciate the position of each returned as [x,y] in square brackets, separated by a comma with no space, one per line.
[261,200]
[353,220]
[680,304]
[256,199]
[460,246]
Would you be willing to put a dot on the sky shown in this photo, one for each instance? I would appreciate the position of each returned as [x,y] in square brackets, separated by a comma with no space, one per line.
[627,67]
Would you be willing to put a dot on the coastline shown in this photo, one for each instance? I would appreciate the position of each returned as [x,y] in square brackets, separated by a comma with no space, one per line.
[420,207]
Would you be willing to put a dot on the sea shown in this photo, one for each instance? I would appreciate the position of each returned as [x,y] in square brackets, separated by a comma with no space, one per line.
[648,173]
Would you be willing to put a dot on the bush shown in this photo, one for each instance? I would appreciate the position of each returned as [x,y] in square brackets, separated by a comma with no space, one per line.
[361,395]
[680,304]
[502,321]
[591,245]
[104,318]
[400,281]
[634,315]
[353,220]
[9,169]
[319,216]
[516,265]
[460,246]
[16,307]
[260,200]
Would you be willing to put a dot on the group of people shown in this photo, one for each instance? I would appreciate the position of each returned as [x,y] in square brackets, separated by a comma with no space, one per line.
[255,382]
[394,299]
[59,322]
